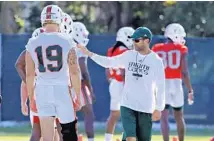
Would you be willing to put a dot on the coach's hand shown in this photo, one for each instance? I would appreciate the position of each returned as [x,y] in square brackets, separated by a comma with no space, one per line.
[156,115]
[24,108]
[84,50]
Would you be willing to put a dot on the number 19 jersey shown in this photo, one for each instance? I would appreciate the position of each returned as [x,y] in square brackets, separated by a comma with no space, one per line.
[171,54]
[49,52]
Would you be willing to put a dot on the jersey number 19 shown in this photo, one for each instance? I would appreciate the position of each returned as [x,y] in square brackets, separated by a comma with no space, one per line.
[50,57]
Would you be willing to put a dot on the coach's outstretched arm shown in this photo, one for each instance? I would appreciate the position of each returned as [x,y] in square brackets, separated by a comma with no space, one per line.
[160,90]
[106,62]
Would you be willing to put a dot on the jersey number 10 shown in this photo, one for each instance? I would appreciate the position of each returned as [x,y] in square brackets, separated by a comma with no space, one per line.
[50,57]
[171,59]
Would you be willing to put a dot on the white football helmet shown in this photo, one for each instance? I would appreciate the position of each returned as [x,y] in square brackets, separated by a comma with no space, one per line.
[80,33]
[51,13]
[67,26]
[37,32]
[123,36]
[175,32]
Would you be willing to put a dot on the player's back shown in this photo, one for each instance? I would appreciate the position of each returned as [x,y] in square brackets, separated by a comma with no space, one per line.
[49,52]
[171,54]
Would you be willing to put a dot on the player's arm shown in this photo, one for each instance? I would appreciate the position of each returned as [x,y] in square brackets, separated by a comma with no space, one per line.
[74,71]
[24,98]
[186,78]
[20,66]
[106,62]
[185,72]
[85,74]
[30,75]
[160,86]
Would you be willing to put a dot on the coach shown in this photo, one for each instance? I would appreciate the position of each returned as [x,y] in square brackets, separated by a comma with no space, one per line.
[143,96]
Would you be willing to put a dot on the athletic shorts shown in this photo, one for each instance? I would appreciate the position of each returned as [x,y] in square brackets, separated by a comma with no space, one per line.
[136,124]
[55,100]
[174,93]
[115,90]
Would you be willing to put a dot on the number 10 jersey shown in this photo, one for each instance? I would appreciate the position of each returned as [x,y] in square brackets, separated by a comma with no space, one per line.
[49,52]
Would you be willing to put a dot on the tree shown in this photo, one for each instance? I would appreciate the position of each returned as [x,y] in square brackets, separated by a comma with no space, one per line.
[109,16]
[34,18]
[10,19]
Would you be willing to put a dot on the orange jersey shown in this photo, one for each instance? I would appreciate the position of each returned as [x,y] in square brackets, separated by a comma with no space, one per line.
[171,54]
[116,73]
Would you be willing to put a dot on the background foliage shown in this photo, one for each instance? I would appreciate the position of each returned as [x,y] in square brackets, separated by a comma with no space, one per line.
[108,17]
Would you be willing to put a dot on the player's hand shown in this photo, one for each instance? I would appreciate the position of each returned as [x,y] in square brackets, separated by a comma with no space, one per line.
[24,109]
[33,106]
[77,104]
[84,50]
[156,115]
[190,97]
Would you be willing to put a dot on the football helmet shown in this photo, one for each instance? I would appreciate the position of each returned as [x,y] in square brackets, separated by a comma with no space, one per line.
[175,32]
[123,35]
[80,33]
[51,14]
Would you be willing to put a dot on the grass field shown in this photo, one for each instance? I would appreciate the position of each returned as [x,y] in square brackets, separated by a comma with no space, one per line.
[22,137]
[23,133]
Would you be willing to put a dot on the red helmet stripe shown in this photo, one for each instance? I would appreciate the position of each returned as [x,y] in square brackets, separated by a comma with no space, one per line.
[48,12]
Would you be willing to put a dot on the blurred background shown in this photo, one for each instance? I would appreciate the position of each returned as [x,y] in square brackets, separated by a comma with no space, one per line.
[108,17]
[19,19]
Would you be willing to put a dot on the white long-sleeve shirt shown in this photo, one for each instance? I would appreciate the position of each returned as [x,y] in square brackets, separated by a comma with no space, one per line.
[144,88]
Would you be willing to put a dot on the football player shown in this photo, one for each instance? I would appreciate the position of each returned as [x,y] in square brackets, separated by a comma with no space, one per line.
[174,55]
[52,57]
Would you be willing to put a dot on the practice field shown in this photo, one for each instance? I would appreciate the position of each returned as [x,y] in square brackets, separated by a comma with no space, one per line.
[99,137]
[22,134]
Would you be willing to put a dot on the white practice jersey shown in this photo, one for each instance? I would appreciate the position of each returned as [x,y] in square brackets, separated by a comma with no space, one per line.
[144,87]
[49,52]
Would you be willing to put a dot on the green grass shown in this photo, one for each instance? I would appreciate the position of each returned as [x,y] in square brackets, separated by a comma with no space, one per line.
[99,137]
[23,133]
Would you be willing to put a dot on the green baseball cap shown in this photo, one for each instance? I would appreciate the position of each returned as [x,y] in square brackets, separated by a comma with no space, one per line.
[142,32]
